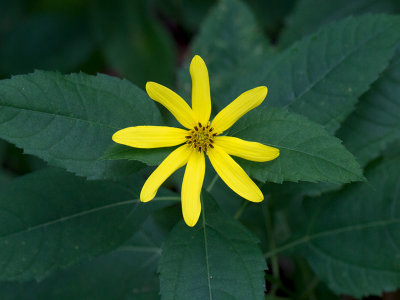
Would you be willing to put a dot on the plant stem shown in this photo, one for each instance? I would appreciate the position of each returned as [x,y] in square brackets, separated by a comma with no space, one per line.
[212,183]
[241,209]
[271,241]
[310,288]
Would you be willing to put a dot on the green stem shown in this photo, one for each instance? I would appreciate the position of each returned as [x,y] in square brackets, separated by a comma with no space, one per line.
[310,288]
[241,209]
[274,259]
[212,183]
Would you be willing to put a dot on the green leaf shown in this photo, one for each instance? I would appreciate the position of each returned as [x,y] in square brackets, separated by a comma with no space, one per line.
[376,121]
[130,272]
[68,120]
[133,42]
[351,238]
[217,259]
[307,151]
[229,42]
[305,19]
[44,41]
[52,219]
[320,76]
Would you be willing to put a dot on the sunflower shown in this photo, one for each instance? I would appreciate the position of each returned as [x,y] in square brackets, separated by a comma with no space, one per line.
[199,138]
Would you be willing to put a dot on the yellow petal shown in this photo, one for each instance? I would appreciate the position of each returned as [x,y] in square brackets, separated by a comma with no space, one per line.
[177,159]
[233,175]
[173,102]
[238,107]
[247,150]
[201,100]
[150,136]
[191,188]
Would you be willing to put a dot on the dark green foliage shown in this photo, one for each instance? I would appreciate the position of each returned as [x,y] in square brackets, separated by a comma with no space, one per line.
[133,42]
[320,76]
[65,220]
[46,41]
[129,272]
[309,15]
[376,121]
[331,68]
[351,237]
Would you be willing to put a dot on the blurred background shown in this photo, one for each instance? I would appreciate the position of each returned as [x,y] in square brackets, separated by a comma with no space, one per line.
[140,40]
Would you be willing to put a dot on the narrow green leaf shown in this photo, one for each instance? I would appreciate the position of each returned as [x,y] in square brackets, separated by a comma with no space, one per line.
[44,41]
[51,219]
[133,42]
[217,259]
[229,41]
[130,272]
[376,121]
[305,19]
[68,120]
[307,151]
[323,75]
[351,238]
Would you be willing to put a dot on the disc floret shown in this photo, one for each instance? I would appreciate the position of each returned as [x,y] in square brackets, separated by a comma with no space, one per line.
[201,137]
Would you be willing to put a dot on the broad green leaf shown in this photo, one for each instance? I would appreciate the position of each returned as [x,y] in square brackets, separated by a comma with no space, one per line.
[51,219]
[217,259]
[68,120]
[376,121]
[351,238]
[307,151]
[45,41]
[133,42]
[306,19]
[229,41]
[130,272]
[323,75]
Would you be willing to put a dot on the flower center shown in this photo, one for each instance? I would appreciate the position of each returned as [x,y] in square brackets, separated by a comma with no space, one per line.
[201,137]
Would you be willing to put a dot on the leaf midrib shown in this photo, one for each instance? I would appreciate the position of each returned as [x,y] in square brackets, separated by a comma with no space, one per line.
[83,213]
[309,237]
[58,115]
[294,150]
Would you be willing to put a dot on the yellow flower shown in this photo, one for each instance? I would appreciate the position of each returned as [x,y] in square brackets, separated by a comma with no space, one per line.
[200,137]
